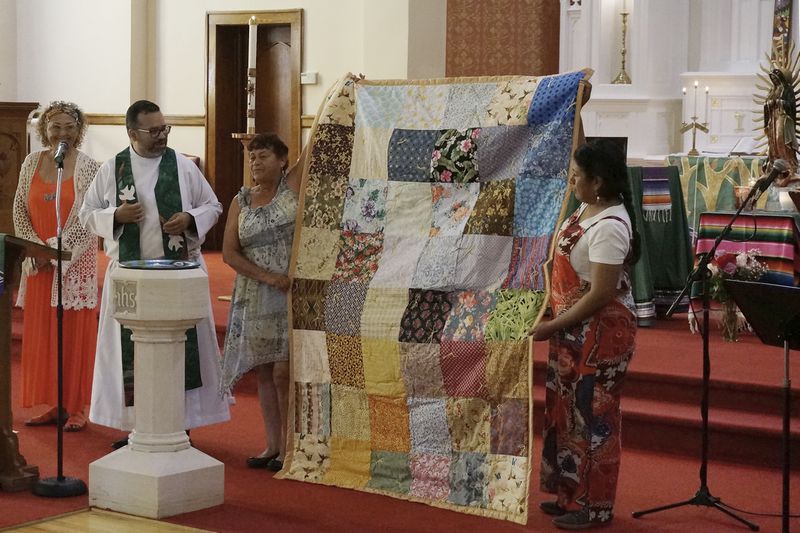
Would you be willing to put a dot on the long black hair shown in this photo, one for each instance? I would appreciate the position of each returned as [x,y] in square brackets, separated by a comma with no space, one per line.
[603,158]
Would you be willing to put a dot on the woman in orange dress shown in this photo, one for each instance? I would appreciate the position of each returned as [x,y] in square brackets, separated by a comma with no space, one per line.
[35,220]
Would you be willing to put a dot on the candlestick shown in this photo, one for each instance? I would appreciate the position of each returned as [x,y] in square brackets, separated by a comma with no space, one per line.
[622,77]
[692,123]
[705,113]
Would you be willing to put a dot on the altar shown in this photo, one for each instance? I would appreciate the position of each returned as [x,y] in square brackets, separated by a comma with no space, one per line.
[708,183]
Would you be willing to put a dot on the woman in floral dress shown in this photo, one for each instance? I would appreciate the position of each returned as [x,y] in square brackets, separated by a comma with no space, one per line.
[258,245]
[591,341]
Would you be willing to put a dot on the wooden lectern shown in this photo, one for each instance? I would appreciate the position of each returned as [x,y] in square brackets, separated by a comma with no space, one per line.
[15,473]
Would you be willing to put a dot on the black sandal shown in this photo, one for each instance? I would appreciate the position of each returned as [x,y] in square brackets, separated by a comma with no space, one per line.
[552,508]
[260,461]
[275,465]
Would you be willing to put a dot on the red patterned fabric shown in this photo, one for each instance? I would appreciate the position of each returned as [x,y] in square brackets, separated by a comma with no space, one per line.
[587,364]
[464,368]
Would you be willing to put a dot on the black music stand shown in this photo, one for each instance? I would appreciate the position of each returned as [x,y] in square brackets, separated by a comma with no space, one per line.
[773,311]
[702,274]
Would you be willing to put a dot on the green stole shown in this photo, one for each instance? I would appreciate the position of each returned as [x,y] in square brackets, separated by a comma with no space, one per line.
[168,199]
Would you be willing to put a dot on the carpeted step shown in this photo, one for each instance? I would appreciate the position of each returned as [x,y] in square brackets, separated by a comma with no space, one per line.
[734,436]
[754,398]
[666,426]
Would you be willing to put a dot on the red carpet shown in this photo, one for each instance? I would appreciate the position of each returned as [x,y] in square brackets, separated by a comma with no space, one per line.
[662,392]
[256,502]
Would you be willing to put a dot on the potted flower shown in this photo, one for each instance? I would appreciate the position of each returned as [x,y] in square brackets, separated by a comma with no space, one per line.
[729,265]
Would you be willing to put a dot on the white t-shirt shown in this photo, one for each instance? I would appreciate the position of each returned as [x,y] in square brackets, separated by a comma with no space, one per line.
[608,241]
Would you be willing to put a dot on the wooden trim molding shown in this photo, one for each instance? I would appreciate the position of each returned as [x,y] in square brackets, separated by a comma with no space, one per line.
[172,120]
[306,121]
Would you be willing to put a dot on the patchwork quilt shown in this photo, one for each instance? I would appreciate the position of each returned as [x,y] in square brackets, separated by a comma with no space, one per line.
[425,229]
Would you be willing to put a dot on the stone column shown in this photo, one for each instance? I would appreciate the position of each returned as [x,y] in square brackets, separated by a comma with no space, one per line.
[158,474]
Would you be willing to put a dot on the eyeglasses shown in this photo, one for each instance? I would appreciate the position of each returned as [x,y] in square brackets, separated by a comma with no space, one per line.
[156,131]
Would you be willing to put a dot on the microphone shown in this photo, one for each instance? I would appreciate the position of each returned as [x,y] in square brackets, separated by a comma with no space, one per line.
[61,151]
[779,166]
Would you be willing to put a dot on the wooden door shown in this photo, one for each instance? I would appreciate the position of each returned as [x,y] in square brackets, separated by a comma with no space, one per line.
[278,96]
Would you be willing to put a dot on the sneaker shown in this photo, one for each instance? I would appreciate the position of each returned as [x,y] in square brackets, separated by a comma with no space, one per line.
[577,520]
[551,508]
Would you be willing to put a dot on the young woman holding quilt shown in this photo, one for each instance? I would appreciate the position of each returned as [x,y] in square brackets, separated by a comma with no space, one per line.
[591,341]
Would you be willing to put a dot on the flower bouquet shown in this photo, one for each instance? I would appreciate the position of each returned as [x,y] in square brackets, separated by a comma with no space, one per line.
[728,265]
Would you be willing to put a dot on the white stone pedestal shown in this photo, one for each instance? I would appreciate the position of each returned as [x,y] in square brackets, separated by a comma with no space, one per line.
[158,474]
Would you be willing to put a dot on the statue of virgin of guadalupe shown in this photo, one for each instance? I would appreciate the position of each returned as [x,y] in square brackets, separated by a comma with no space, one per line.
[780,110]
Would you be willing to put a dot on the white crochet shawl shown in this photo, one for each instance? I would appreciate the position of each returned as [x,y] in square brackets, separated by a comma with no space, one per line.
[79,276]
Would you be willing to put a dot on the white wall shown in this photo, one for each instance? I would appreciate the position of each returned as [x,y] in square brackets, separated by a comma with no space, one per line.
[731,36]
[385,42]
[8,50]
[85,60]
[118,51]
[427,38]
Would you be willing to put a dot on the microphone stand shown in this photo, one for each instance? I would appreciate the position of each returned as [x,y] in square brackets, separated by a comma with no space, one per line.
[59,486]
[701,273]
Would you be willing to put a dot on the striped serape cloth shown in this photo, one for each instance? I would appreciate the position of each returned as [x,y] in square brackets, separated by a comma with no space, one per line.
[774,236]
[656,201]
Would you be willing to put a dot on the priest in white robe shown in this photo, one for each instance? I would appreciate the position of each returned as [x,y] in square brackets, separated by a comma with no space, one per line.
[125,206]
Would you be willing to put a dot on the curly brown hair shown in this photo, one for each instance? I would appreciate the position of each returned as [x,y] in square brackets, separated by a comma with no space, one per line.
[55,108]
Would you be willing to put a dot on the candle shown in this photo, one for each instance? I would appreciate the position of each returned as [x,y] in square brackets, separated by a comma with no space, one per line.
[251,50]
[683,107]
[705,114]
[694,116]
[251,75]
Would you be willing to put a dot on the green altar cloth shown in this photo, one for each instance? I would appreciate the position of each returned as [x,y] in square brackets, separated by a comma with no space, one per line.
[642,273]
[708,183]
[669,250]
